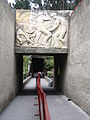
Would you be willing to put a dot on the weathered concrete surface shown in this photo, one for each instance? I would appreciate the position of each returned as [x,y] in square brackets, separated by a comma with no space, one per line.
[32,84]
[7,56]
[22,108]
[26,50]
[77,75]
[62,109]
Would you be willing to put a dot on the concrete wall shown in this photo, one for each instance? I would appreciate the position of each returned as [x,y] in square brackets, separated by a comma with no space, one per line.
[59,68]
[7,56]
[77,74]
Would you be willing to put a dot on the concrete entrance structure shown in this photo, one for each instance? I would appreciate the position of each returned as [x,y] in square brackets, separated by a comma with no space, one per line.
[71,66]
[10,63]
[42,32]
[77,71]
[8,76]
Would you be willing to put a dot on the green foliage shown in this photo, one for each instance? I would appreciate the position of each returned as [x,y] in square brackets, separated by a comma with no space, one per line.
[71,6]
[49,63]
[50,74]
[38,2]
[47,4]
[25,64]
[77,1]
[55,4]
[50,4]
[22,4]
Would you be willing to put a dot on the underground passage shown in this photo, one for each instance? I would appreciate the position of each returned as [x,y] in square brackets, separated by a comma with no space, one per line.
[32,64]
[44,60]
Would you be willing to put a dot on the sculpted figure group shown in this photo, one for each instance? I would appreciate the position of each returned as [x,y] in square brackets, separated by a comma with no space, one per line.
[43,30]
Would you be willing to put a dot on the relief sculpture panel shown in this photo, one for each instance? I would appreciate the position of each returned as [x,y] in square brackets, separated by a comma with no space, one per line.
[45,29]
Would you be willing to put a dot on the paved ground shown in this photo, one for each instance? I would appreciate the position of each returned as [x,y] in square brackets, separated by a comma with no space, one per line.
[32,84]
[22,107]
[30,88]
[62,109]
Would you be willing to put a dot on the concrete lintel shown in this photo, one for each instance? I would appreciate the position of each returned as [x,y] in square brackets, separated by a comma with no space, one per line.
[26,50]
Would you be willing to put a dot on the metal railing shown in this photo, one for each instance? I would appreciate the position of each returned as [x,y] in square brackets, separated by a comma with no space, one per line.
[43,106]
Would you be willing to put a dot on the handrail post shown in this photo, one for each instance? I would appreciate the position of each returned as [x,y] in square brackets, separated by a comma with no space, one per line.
[39,103]
[43,109]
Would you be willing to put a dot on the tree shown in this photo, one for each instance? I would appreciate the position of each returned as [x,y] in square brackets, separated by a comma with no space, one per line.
[37,2]
[77,1]
[55,4]
[22,4]
[49,63]
[25,64]
[46,4]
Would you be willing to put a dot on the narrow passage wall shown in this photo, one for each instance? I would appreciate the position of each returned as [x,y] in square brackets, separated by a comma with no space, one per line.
[7,55]
[77,74]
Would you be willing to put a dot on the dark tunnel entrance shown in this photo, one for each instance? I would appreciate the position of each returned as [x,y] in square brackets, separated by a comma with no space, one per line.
[32,64]
[36,64]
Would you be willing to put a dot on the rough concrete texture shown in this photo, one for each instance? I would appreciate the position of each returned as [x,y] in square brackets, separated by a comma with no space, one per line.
[22,108]
[77,75]
[26,50]
[32,84]
[62,109]
[7,56]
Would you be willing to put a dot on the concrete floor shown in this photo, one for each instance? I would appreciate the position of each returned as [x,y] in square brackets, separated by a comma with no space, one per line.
[30,88]
[22,108]
[32,84]
[62,109]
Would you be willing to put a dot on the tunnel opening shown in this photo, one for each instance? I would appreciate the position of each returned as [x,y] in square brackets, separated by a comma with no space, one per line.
[52,68]
[32,64]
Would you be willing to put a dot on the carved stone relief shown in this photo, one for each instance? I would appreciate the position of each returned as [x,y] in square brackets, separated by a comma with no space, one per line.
[45,29]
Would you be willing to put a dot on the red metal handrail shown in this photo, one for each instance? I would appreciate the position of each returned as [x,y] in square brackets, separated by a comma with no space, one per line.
[42,102]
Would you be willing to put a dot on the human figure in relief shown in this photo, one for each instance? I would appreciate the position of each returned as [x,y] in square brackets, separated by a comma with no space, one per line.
[54,33]
[59,30]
